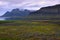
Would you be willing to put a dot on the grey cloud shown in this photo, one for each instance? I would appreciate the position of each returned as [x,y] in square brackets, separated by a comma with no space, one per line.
[14,1]
[26,4]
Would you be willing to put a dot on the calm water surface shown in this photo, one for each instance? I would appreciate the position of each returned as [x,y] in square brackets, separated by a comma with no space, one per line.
[3,18]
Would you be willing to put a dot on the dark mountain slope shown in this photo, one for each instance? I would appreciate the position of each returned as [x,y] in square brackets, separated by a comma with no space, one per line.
[50,12]
[16,13]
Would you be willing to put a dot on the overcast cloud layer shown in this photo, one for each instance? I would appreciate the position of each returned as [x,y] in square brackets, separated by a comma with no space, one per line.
[7,5]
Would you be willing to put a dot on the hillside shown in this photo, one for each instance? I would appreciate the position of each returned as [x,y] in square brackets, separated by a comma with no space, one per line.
[45,13]
[50,12]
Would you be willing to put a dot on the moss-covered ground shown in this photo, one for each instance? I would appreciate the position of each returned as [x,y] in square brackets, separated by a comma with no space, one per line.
[29,30]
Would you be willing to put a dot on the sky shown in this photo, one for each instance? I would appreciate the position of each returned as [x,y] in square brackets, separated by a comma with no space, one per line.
[8,5]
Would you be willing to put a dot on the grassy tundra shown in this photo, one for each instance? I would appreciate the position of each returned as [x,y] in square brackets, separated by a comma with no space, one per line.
[29,30]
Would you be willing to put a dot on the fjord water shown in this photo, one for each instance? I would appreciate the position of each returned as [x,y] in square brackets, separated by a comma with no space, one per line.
[3,18]
[12,18]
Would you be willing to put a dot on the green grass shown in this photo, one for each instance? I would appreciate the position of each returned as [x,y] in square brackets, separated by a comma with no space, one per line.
[29,30]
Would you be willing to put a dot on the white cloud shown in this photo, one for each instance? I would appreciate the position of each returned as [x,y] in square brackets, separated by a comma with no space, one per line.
[26,4]
[2,3]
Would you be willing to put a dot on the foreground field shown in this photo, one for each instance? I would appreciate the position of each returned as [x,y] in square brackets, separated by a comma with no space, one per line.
[29,30]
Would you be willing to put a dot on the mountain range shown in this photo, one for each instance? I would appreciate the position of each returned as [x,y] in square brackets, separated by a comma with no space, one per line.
[50,12]
[16,13]
[45,13]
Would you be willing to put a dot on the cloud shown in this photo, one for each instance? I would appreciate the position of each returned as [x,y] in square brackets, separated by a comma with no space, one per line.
[3,3]
[7,5]
[27,3]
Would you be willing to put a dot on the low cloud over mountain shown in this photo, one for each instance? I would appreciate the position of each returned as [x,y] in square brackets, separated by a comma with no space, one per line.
[25,4]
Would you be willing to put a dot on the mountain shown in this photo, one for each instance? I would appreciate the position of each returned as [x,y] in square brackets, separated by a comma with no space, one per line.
[47,10]
[50,12]
[16,13]
[45,13]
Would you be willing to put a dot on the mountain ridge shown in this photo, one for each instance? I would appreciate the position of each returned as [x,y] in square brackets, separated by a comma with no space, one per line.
[45,13]
[16,13]
[49,9]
